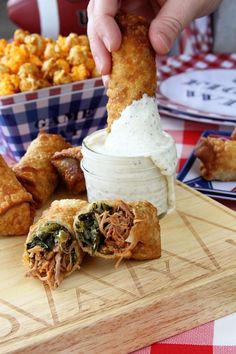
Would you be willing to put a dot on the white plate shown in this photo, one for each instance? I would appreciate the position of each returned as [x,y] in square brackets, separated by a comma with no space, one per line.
[200,88]
[211,90]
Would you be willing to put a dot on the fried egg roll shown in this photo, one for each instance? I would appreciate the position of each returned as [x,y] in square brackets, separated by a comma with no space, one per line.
[133,67]
[35,171]
[115,229]
[67,163]
[52,251]
[16,204]
[217,157]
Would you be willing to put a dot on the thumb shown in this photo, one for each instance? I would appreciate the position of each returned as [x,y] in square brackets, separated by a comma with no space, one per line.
[173,17]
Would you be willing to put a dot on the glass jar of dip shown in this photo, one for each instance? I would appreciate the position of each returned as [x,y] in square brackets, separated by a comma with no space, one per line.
[130,178]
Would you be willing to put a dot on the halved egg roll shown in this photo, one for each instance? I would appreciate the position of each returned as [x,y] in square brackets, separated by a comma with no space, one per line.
[16,204]
[67,163]
[217,157]
[52,251]
[133,66]
[115,229]
[35,171]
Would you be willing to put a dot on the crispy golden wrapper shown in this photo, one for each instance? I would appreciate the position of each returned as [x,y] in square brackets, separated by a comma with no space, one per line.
[16,205]
[133,67]
[67,163]
[218,158]
[35,170]
[52,251]
[116,229]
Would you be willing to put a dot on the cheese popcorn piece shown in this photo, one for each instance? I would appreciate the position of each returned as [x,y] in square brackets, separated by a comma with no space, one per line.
[4,69]
[19,36]
[71,40]
[9,84]
[52,50]
[35,60]
[35,44]
[61,41]
[42,83]
[28,69]
[79,72]
[78,55]
[28,84]
[14,57]
[3,44]
[83,40]
[48,68]
[61,77]
[62,64]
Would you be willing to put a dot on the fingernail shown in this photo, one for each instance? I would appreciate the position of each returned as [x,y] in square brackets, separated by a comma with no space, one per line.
[107,43]
[98,64]
[105,79]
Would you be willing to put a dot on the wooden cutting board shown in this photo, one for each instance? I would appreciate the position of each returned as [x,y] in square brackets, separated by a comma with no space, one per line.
[108,310]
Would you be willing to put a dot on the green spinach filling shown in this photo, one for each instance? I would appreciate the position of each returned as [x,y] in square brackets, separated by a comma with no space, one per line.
[87,227]
[50,235]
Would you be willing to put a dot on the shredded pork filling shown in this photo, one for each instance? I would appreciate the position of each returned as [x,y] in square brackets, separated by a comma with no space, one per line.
[52,266]
[115,227]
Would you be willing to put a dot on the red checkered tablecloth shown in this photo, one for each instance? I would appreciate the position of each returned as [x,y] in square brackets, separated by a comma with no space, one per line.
[216,337]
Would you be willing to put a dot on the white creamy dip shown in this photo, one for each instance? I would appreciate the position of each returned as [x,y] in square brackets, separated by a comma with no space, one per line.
[138,132]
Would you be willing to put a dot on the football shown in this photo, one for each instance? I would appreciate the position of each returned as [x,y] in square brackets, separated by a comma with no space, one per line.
[49,18]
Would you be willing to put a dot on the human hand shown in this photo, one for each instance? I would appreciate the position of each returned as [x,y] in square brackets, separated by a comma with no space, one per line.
[167,19]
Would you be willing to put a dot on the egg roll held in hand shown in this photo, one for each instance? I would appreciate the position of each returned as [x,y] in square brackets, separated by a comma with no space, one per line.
[16,204]
[217,157]
[115,229]
[35,171]
[133,67]
[52,251]
[67,163]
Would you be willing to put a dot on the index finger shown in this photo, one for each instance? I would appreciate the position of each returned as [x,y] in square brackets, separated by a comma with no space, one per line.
[104,23]
[103,32]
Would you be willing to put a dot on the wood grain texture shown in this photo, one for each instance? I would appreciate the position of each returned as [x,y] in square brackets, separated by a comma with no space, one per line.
[108,310]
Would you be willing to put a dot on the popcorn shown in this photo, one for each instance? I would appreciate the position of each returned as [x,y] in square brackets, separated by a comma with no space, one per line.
[28,84]
[62,64]
[35,60]
[78,55]
[79,72]
[61,77]
[83,40]
[61,41]
[19,36]
[48,67]
[9,84]
[4,69]
[32,62]
[27,70]
[3,44]
[35,44]
[42,83]
[71,40]
[90,64]
[14,57]
[52,50]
